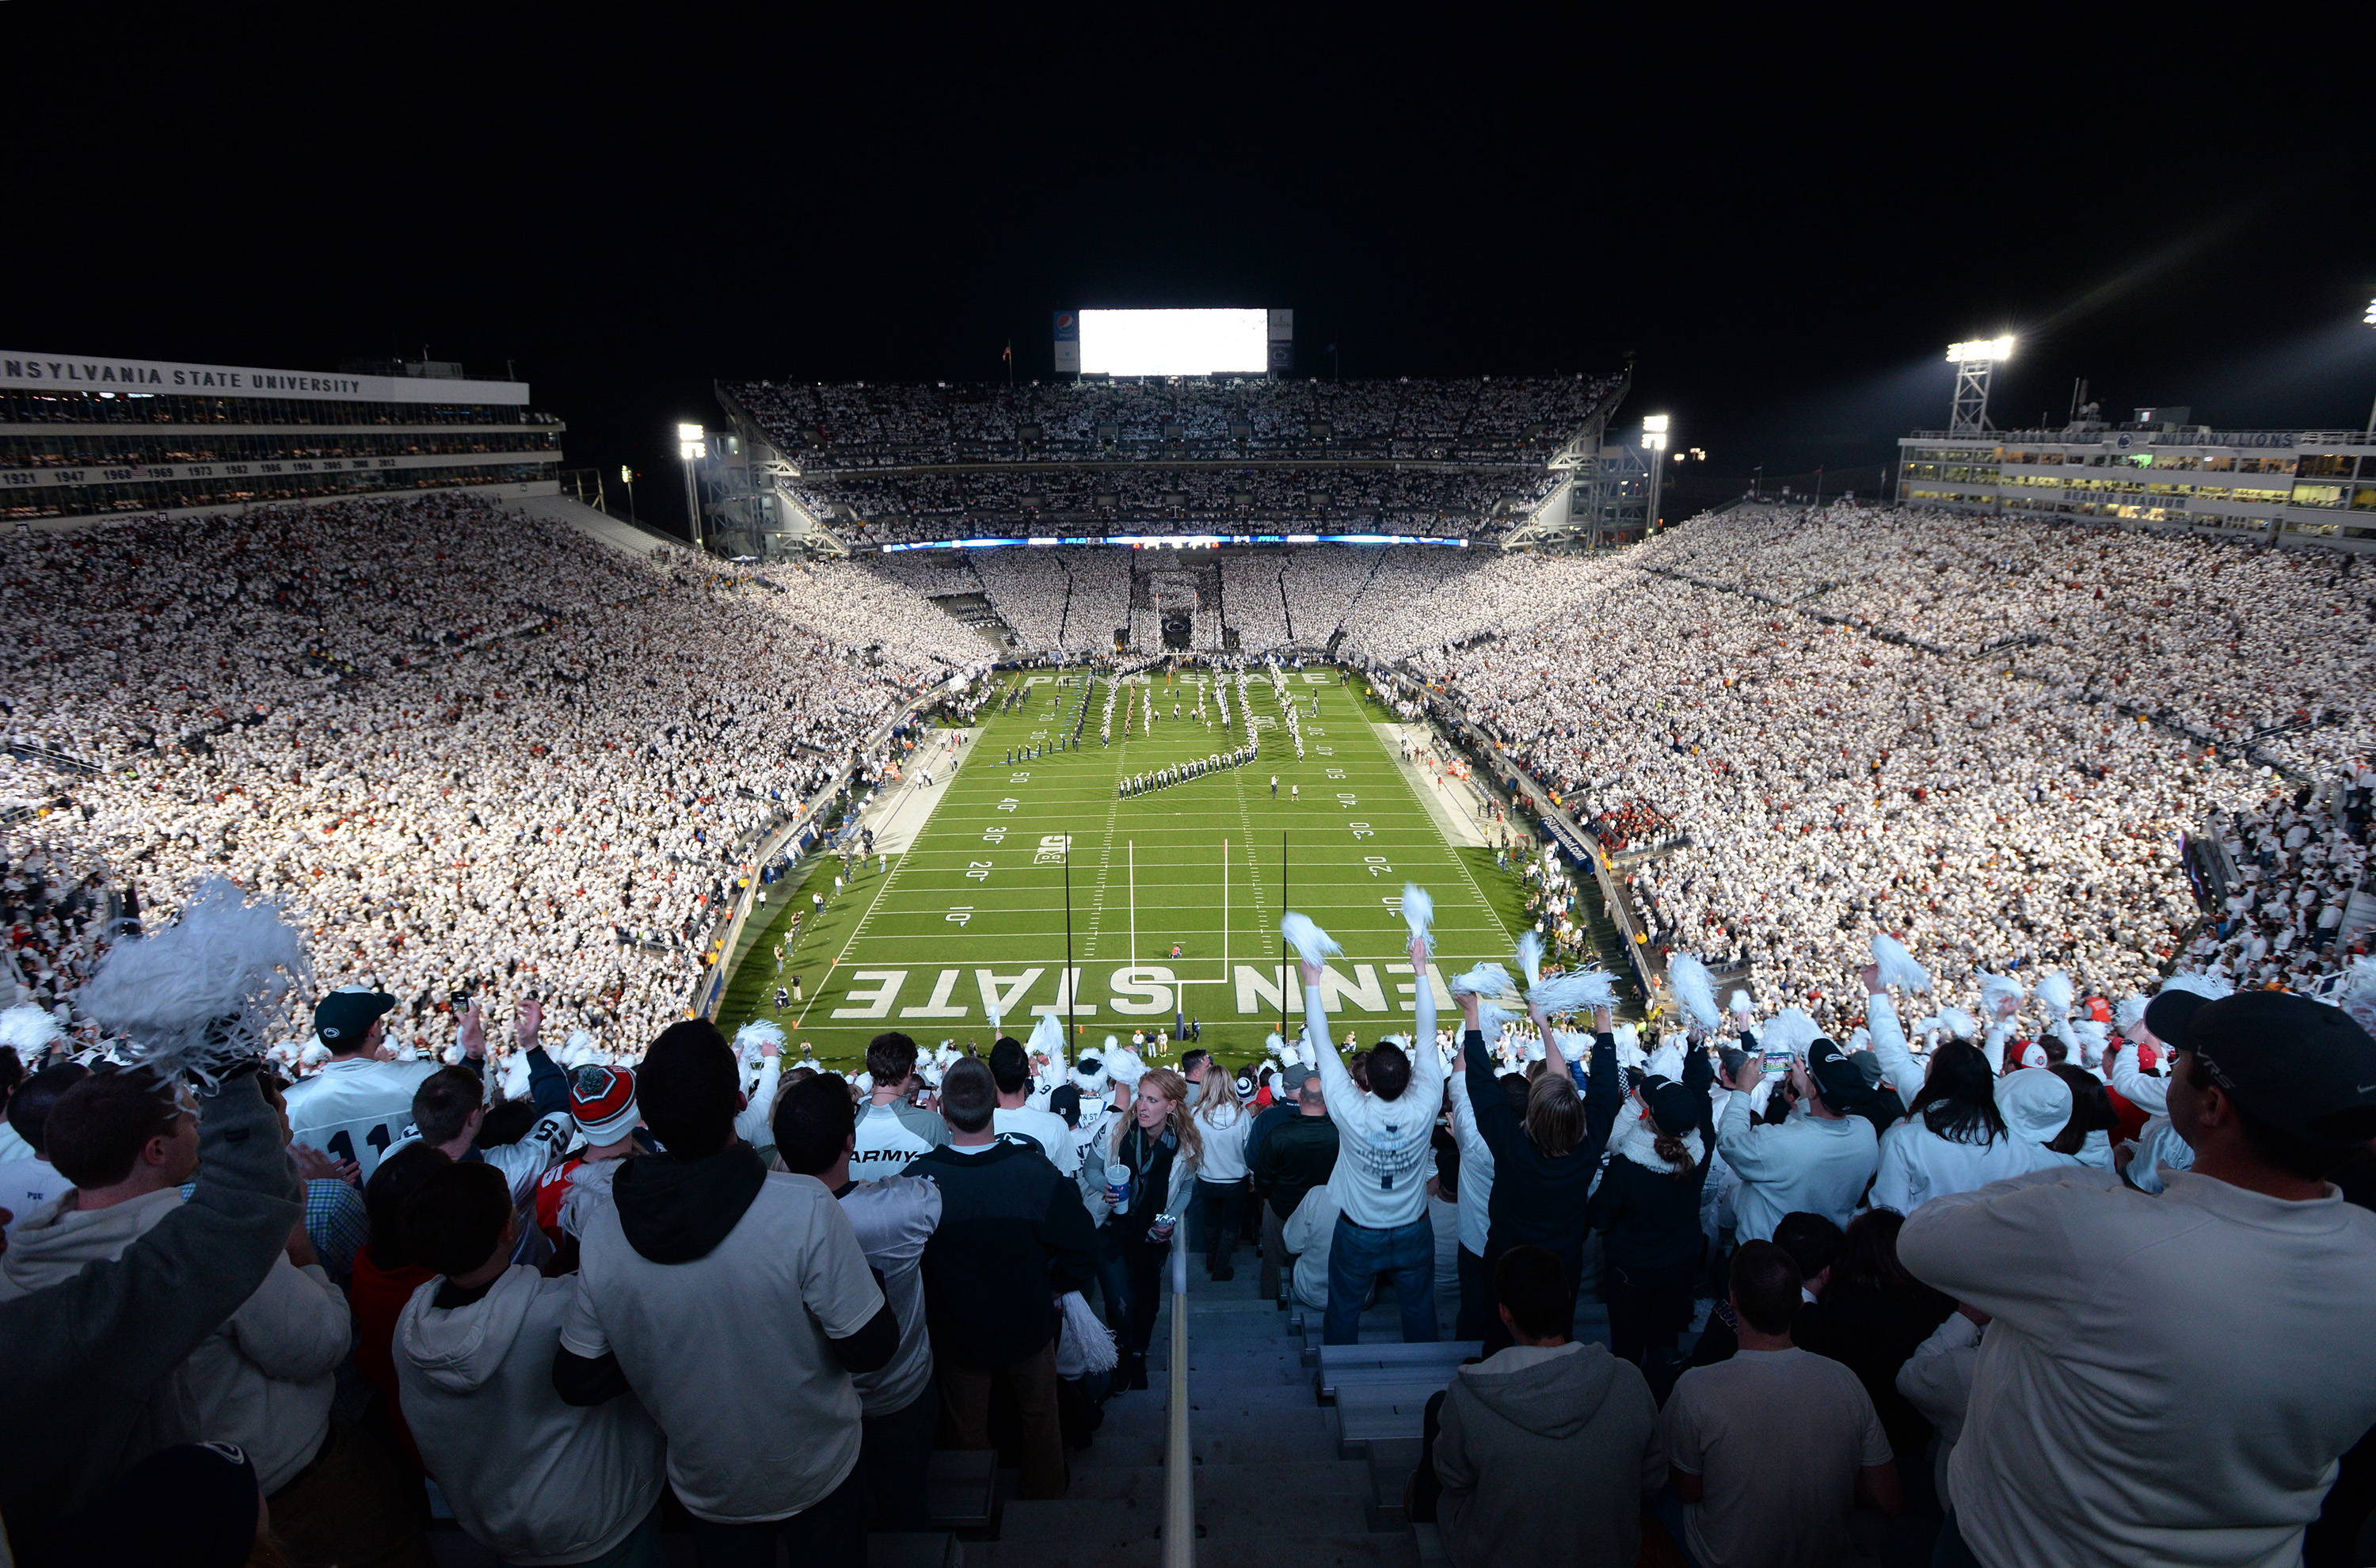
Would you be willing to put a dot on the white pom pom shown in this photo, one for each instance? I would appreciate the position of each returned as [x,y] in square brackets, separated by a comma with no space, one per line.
[750,1039]
[1897,966]
[1998,990]
[1088,1338]
[1667,1061]
[1315,945]
[1694,989]
[1738,1002]
[2130,1012]
[1578,990]
[201,995]
[1419,908]
[30,1029]
[1791,1029]
[1488,978]
[2055,993]
[1530,956]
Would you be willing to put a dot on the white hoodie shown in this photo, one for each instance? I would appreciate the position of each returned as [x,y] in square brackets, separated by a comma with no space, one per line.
[1224,1137]
[532,1478]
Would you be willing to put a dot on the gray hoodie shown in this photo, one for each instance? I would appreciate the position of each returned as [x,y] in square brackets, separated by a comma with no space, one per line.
[263,1380]
[1545,1456]
[532,1478]
[89,1354]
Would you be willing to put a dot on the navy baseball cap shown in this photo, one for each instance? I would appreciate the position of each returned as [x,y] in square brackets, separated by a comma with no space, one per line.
[1842,1086]
[2302,1066]
[344,1016]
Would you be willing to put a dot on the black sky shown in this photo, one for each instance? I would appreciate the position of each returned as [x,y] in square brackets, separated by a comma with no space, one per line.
[1786,217]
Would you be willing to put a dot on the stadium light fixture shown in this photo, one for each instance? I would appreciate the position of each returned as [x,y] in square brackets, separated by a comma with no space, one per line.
[2371,319]
[690,450]
[1989,350]
[1974,361]
[1654,432]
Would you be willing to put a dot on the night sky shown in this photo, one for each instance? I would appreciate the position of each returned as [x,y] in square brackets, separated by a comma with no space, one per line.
[1787,224]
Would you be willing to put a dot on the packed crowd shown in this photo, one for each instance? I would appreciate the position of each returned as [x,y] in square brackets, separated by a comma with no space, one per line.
[1503,419]
[1989,1287]
[473,747]
[2235,641]
[1073,600]
[1625,825]
[866,509]
[1985,805]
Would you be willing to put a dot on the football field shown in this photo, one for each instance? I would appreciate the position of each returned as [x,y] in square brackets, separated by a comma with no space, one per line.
[1175,894]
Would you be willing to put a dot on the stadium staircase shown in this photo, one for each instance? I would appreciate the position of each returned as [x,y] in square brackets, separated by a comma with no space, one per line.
[1278,1480]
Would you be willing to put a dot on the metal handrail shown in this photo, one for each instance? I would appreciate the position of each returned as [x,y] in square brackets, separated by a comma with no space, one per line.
[1179,1468]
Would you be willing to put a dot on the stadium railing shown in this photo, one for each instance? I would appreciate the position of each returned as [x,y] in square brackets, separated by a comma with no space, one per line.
[1179,1460]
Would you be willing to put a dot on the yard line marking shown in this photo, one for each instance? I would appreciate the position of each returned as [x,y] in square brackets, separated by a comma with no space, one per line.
[801,1022]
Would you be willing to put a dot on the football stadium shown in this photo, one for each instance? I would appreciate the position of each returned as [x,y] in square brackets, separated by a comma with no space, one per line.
[1722,1024]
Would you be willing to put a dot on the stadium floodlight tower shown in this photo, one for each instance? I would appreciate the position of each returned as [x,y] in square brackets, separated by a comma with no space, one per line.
[1973,361]
[2371,319]
[1653,442]
[690,447]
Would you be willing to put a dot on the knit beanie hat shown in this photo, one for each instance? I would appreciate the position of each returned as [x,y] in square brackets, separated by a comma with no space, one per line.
[603,1101]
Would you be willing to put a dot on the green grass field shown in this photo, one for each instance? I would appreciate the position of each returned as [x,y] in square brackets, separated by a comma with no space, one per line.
[974,912]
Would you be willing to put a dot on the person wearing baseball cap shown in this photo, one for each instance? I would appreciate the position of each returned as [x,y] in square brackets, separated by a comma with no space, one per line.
[2172,1377]
[602,1100]
[357,1106]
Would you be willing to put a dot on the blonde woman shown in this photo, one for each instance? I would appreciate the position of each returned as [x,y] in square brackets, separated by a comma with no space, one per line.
[1143,1176]
[1223,1122]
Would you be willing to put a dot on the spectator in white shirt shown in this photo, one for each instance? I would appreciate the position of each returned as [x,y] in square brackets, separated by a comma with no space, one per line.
[1770,1451]
[357,1106]
[736,1305]
[27,1183]
[2172,1378]
[1010,1069]
[815,1131]
[1383,1160]
[1817,1158]
[1952,1139]
[892,1129]
[1222,1124]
